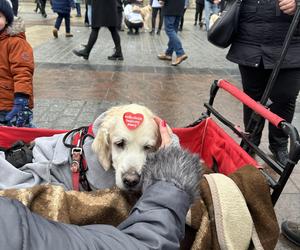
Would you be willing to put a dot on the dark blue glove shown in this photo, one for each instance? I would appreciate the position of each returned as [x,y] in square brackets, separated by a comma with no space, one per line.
[20,113]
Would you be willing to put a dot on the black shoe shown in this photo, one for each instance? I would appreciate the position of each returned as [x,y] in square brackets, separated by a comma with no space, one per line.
[136,32]
[280,155]
[116,57]
[151,32]
[195,23]
[130,32]
[158,32]
[291,231]
[82,53]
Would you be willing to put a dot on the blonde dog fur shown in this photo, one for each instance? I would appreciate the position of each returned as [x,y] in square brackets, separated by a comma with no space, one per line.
[123,149]
[146,13]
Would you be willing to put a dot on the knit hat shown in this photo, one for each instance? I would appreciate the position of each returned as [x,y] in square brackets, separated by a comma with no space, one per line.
[6,9]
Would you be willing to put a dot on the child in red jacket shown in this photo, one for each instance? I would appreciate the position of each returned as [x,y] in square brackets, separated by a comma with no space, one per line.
[16,71]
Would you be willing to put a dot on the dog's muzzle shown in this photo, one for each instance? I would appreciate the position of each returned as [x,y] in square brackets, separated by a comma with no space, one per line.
[131,179]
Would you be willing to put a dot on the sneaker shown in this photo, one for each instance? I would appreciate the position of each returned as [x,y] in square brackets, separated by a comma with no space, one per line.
[280,155]
[69,35]
[55,33]
[291,231]
[179,60]
[164,57]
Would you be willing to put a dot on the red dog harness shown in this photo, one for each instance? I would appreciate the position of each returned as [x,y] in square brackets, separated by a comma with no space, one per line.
[78,165]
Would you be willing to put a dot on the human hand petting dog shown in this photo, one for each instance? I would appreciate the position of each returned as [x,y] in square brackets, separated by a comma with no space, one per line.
[165,132]
[287,6]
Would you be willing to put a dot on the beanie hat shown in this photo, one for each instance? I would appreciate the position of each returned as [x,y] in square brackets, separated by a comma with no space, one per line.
[6,9]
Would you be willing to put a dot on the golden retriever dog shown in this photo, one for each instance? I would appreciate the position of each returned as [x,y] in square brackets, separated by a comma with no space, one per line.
[125,136]
[146,13]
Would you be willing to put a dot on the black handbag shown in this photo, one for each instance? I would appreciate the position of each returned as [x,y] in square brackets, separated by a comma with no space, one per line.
[222,31]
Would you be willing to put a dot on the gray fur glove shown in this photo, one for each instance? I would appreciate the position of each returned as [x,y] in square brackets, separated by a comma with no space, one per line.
[173,164]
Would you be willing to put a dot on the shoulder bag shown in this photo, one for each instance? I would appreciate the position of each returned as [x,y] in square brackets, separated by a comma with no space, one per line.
[222,31]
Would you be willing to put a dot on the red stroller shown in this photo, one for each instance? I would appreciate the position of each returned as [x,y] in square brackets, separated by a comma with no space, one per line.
[206,138]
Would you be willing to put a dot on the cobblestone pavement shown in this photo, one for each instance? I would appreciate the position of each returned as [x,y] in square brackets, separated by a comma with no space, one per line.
[70,92]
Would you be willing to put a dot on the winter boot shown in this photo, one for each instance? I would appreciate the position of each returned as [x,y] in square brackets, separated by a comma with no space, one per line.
[84,53]
[117,55]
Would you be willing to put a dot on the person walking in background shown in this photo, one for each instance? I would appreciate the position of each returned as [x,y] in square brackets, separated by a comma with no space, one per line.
[172,11]
[104,14]
[16,71]
[186,5]
[156,9]
[210,7]
[41,5]
[256,48]
[63,10]
[199,11]
[78,8]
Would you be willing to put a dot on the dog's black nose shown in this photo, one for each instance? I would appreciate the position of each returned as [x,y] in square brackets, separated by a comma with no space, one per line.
[131,179]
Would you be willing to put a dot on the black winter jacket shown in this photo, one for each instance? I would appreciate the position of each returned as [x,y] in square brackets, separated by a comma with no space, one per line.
[261,32]
[173,7]
[104,13]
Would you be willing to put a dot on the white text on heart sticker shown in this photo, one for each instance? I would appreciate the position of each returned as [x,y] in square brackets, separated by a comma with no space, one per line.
[132,121]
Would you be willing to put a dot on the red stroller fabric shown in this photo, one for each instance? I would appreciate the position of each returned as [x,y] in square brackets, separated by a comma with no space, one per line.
[211,142]
[206,139]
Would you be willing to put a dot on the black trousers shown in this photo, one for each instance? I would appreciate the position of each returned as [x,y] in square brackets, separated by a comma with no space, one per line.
[199,10]
[155,11]
[283,97]
[94,36]
[182,19]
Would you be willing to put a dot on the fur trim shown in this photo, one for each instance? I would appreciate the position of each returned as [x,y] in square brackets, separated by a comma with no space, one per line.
[17,27]
[172,164]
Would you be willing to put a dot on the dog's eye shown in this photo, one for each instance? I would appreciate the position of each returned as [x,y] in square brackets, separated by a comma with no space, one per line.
[120,144]
[148,148]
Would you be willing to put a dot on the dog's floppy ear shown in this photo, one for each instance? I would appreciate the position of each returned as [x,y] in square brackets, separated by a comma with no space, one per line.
[101,144]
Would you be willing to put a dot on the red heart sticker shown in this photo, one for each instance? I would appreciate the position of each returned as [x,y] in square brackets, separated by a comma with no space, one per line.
[132,121]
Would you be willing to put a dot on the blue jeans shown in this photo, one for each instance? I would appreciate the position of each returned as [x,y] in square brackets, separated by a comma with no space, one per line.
[171,28]
[209,9]
[59,19]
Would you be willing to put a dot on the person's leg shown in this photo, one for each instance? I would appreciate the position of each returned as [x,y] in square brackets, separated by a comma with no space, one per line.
[68,25]
[129,26]
[200,14]
[161,18]
[169,29]
[254,82]
[153,20]
[43,8]
[117,41]
[182,20]
[120,18]
[196,13]
[177,45]
[57,24]
[78,9]
[207,10]
[283,97]
[92,40]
